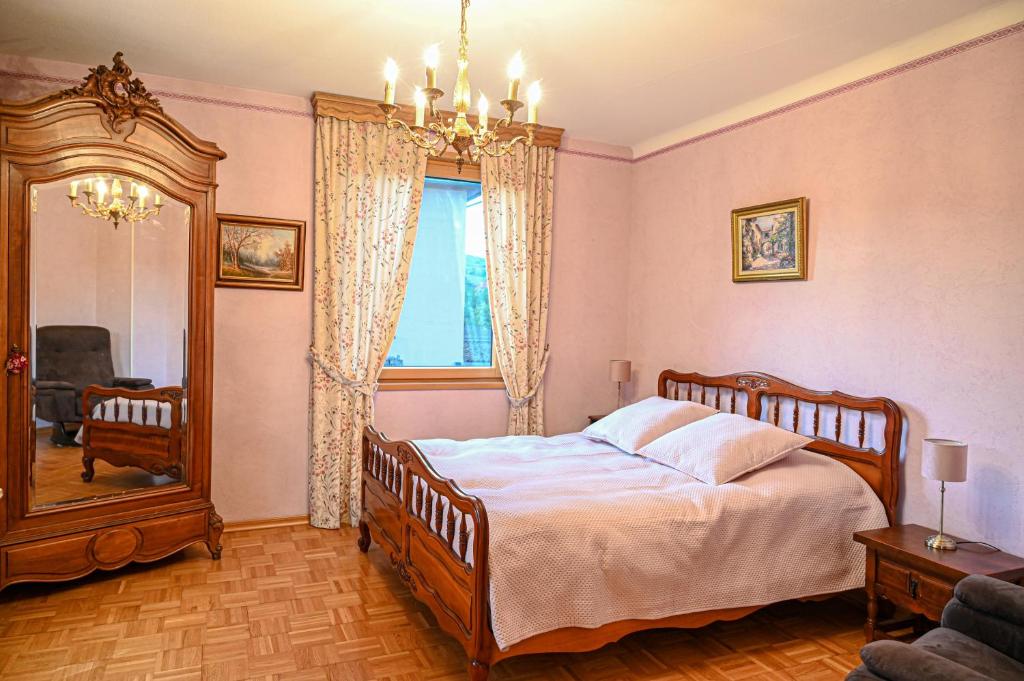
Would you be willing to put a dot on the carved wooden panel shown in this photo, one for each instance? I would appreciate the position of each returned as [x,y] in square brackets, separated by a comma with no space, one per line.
[60,558]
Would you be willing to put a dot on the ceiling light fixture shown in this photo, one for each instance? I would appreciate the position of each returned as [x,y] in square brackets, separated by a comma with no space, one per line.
[109,203]
[431,132]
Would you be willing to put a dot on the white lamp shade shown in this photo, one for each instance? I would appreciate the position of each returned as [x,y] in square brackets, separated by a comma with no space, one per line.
[944,460]
[619,370]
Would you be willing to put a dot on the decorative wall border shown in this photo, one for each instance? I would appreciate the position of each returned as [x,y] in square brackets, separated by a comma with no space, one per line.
[960,48]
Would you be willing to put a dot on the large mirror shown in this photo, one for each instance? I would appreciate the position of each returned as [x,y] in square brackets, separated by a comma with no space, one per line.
[109,318]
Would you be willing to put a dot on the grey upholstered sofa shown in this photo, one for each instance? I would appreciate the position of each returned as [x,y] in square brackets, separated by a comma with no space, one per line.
[68,359]
[981,639]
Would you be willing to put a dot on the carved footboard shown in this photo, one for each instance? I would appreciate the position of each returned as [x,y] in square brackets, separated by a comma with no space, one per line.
[132,431]
[435,535]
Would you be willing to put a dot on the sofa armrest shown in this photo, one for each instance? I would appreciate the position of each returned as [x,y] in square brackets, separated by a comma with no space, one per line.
[53,385]
[132,383]
[903,662]
[862,673]
[995,632]
[993,597]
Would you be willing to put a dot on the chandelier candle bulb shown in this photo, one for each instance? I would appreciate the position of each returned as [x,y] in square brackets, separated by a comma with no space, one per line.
[73,189]
[515,74]
[390,77]
[533,100]
[482,106]
[420,100]
[158,202]
[432,58]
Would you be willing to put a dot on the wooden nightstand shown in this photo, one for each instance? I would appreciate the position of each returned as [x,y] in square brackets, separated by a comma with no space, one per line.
[905,572]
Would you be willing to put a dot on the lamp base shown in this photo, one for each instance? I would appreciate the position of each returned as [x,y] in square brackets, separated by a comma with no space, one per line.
[940,542]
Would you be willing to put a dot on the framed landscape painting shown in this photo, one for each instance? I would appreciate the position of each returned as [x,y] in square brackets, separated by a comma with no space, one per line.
[258,252]
[769,241]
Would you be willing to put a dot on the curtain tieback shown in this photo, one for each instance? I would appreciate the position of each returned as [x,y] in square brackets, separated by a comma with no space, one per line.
[518,402]
[367,388]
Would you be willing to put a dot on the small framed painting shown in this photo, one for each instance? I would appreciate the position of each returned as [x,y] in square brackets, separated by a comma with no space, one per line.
[770,241]
[258,252]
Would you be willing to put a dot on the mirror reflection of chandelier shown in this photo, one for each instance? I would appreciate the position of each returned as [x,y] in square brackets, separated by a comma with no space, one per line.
[433,133]
[104,198]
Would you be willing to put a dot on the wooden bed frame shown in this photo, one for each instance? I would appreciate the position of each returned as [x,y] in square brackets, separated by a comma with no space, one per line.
[427,525]
[146,445]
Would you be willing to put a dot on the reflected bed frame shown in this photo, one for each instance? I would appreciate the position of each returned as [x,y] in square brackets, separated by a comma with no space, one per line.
[146,445]
[436,535]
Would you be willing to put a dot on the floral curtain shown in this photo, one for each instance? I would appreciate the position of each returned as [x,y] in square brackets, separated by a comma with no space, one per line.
[518,192]
[367,192]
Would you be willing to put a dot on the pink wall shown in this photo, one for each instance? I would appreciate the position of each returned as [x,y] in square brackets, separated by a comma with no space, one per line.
[261,376]
[915,285]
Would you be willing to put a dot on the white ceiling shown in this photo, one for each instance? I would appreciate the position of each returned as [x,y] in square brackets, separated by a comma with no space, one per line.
[624,72]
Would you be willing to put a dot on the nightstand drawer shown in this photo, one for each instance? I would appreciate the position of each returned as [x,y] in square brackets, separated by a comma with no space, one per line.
[912,590]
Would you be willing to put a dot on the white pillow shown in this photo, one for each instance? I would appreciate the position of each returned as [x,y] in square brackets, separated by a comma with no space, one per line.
[632,427]
[723,447]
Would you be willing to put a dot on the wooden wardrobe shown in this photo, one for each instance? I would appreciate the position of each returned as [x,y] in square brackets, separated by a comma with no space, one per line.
[108,241]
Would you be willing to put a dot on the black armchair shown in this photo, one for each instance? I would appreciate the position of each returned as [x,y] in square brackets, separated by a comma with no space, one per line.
[981,639]
[68,359]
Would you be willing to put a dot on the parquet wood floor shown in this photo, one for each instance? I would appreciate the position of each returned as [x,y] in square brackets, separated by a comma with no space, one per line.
[297,603]
[58,475]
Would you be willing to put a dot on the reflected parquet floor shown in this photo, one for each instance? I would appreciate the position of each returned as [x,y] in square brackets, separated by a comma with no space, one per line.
[302,603]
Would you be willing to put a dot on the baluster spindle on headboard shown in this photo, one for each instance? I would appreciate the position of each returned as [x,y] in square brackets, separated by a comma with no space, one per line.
[131,411]
[450,533]
[463,538]
[860,435]
[732,403]
[676,390]
[417,498]
[689,392]
[776,415]
[839,423]
[718,397]
[398,481]
[796,416]
[816,419]
[430,506]
[117,409]
[703,393]
[439,515]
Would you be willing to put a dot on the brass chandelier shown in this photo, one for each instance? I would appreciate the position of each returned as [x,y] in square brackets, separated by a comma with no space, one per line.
[98,200]
[435,134]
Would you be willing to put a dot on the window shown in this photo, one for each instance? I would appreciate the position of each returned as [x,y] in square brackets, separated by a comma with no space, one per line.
[444,337]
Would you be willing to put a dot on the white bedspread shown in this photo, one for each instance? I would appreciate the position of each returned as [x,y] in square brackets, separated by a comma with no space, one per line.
[582,534]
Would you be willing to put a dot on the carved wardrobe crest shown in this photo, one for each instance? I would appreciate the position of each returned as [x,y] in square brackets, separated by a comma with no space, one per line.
[121,97]
[111,132]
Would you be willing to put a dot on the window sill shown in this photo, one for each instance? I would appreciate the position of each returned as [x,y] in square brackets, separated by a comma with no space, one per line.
[441,384]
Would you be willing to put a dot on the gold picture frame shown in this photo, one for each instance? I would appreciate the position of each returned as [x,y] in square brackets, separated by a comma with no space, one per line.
[769,241]
[257,252]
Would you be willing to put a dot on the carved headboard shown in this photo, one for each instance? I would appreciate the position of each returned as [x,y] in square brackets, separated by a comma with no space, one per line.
[863,432]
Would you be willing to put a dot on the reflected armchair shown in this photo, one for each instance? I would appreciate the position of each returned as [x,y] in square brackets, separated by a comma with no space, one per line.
[68,359]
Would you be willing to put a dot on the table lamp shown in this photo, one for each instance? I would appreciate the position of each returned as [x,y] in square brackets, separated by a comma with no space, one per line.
[619,371]
[944,460]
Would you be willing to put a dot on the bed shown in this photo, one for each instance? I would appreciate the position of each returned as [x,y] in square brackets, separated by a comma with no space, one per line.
[463,523]
[140,428]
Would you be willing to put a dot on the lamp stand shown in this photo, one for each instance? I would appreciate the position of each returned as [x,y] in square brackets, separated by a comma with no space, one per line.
[619,402]
[940,541]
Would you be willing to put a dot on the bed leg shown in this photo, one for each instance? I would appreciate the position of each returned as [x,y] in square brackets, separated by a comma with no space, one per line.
[89,471]
[364,537]
[478,671]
